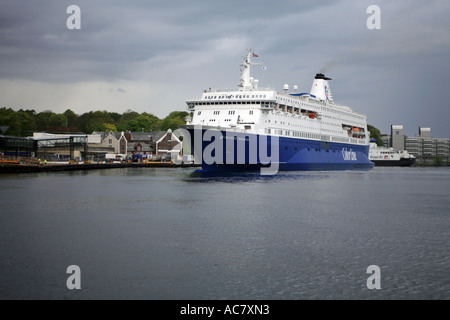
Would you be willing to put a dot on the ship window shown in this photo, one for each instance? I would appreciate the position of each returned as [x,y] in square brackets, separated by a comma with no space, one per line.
[199,113]
[250,112]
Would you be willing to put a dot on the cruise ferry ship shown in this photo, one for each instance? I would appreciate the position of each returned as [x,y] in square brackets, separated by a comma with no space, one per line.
[251,127]
[389,157]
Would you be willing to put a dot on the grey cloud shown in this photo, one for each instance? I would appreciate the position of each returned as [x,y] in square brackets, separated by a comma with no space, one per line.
[200,44]
[116,34]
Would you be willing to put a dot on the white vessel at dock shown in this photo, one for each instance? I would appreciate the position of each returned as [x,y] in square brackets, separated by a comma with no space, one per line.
[389,157]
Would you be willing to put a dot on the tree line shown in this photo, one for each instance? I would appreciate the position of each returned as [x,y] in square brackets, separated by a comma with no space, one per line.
[23,123]
[375,134]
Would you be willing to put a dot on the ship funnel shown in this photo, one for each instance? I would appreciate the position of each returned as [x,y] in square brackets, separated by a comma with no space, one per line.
[321,88]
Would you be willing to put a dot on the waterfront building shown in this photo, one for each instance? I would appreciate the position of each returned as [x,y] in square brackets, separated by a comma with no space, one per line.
[15,147]
[99,146]
[426,148]
[397,138]
[62,147]
[113,142]
[142,145]
[169,144]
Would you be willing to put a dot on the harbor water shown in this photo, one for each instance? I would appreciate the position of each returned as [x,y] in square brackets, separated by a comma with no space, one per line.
[169,233]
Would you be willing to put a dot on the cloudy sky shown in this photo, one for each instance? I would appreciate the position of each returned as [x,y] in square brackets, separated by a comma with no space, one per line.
[153,55]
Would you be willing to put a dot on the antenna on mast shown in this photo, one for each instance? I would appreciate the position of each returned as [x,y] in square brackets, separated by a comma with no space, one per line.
[247,82]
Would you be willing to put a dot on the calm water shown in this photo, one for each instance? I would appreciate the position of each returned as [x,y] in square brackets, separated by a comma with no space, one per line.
[168,234]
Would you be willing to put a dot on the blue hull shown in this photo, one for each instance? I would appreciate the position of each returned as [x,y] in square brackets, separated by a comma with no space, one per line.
[290,154]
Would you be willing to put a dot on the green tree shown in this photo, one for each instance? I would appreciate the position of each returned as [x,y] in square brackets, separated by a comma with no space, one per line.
[143,122]
[42,120]
[174,120]
[57,120]
[19,123]
[71,118]
[93,121]
[8,118]
[127,116]
[375,134]
[153,121]
[115,116]
[27,122]
[109,127]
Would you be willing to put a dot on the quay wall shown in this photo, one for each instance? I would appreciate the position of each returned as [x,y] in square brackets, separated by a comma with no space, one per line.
[72,167]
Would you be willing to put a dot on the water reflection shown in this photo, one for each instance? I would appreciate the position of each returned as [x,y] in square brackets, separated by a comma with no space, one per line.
[241,177]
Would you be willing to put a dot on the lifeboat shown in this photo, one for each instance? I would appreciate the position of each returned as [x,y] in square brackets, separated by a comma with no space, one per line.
[312,115]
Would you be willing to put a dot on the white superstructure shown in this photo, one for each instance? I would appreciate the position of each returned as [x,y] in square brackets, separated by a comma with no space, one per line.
[265,111]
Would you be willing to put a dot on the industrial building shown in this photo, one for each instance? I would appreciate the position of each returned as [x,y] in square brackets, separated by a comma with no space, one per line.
[426,148]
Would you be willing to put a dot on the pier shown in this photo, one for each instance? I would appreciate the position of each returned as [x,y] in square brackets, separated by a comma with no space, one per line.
[18,167]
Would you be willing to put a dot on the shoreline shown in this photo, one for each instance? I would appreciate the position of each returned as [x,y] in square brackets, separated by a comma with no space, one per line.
[74,167]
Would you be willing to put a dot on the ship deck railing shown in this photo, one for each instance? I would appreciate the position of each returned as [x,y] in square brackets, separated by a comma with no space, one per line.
[239,90]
